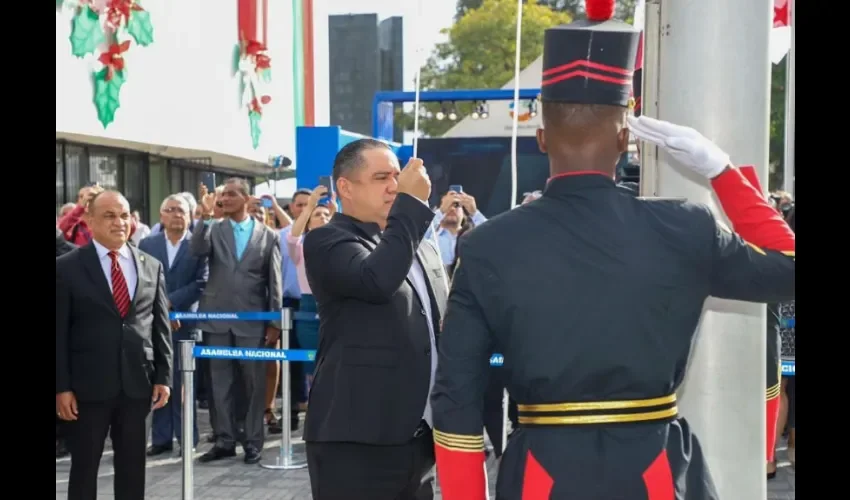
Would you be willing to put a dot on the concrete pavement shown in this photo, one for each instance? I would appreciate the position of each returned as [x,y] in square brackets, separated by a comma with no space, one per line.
[231,479]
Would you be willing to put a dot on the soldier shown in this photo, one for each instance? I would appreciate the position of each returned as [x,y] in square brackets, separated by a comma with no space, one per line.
[595,297]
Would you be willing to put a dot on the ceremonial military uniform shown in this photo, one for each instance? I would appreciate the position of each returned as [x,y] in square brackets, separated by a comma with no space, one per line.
[593,296]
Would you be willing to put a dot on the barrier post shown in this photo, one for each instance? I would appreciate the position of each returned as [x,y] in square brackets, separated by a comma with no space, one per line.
[284,460]
[187,371]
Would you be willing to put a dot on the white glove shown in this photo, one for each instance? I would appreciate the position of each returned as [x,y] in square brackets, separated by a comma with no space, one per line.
[684,144]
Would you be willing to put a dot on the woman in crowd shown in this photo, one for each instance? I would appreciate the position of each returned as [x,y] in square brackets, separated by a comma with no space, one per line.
[314,215]
[781,319]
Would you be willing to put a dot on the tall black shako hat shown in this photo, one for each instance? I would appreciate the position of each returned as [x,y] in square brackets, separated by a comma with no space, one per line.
[592,61]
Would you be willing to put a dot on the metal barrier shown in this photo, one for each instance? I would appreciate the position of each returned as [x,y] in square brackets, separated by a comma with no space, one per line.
[189,352]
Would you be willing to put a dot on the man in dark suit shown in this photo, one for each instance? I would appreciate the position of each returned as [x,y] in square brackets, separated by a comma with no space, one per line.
[381,291]
[62,247]
[113,349]
[185,279]
[244,261]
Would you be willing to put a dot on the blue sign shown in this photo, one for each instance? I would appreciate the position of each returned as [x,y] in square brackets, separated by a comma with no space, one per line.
[789,368]
[240,316]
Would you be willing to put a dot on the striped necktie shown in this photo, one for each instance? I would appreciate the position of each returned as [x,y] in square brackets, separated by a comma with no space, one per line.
[120,292]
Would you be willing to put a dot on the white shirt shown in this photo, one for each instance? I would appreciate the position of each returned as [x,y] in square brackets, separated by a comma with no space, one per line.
[125,261]
[171,249]
[417,276]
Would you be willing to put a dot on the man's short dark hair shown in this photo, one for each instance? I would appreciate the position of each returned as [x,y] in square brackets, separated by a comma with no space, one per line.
[244,188]
[302,191]
[350,157]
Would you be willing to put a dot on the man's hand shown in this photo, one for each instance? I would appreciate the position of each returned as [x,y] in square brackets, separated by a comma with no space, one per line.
[87,193]
[66,406]
[684,144]
[448,202]
[468,202]
[414,180]
[160,396]
[175,325]
[208,204]
[272,335]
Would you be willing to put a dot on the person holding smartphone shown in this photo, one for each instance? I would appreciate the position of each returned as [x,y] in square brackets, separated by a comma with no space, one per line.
[316,214]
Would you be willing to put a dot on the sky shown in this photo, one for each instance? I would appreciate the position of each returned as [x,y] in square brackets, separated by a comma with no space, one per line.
[423,20]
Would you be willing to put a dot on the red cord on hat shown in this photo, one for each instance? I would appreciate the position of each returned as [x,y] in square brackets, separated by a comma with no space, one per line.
[599,10]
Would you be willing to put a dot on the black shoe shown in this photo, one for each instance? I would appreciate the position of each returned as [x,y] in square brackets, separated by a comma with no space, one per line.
[294,423]
[217,453]
[252,455]
[203,404]
[210,438]
[159,449]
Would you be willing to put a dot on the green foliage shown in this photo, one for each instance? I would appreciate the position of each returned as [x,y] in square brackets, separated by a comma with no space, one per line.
[140,27]
[777,125]
[480,52]
[86,32]
[107,95]
[575,8]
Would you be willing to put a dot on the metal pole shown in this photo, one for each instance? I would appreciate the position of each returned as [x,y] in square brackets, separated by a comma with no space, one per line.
[284,460]
[187,370]
[720,85]
[788,169]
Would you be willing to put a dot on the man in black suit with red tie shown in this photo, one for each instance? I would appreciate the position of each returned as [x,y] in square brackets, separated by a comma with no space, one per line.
[113,349]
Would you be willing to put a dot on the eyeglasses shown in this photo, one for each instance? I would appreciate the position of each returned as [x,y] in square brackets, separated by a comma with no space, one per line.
[174,210]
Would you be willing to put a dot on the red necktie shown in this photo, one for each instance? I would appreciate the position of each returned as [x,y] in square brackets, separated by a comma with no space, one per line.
[120,292]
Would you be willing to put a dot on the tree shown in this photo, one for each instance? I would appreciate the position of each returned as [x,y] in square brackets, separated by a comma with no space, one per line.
[777,125]
[575,8]
[480,52]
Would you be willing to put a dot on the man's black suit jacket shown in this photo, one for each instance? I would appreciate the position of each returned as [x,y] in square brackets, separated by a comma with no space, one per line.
[373,364]
[99,355]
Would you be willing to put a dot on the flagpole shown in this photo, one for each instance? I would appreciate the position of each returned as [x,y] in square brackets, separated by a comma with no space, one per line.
[788,163]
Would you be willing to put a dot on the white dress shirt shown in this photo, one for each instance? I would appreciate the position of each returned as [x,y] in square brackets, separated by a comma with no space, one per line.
[171,248]
[125,261]
[417,276]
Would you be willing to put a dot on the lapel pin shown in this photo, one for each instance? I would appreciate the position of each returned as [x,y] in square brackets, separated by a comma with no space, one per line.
[142,258]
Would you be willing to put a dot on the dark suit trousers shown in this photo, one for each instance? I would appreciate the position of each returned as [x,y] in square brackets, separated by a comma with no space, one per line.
[124,420]
[228,382]
[167,422]
[352,471]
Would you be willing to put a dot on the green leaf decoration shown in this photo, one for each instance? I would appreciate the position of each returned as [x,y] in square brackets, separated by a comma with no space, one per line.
[255,118]
[86,32]
[267,75]
[106,95]
[237,56]
[140,28]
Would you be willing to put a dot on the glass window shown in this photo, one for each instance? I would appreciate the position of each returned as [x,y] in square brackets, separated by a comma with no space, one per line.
[103,168]
[76,168]
[134,183]
[191,180]
[175,178]
[60,177]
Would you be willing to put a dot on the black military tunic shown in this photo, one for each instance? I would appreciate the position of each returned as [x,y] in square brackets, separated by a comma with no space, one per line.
[593,296]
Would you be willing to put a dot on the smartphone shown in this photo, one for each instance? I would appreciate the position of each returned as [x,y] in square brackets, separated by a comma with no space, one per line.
[208,180]
[266,203]
[325,180]
[457,188]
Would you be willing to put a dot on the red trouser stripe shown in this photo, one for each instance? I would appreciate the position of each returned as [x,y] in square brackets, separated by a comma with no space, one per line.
[536,482]
[772,417]
[658,479]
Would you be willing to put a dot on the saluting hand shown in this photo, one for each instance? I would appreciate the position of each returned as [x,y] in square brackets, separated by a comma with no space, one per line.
[684,144]
[414,180]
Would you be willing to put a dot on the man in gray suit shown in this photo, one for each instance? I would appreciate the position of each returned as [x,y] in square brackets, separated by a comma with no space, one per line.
[244,276]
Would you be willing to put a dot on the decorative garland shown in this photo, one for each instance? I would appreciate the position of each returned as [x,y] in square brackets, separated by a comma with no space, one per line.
[97,28]
[254,63]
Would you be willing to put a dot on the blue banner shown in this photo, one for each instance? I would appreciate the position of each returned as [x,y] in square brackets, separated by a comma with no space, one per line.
[789,368]
[240,316]
[301,355]
[788,322]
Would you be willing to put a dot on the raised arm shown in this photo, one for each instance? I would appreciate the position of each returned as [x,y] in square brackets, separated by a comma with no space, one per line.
[341,265]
